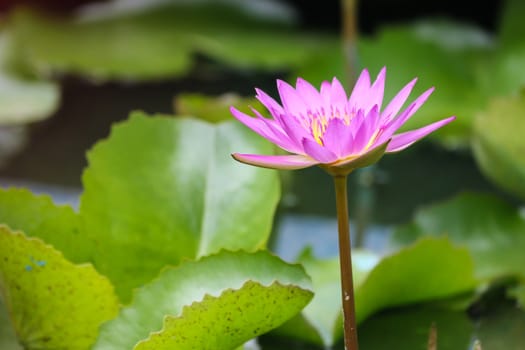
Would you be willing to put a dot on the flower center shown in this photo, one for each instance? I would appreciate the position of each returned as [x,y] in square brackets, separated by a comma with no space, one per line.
[319,122]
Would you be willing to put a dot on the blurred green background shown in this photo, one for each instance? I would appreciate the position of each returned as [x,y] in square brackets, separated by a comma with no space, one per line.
[70,69]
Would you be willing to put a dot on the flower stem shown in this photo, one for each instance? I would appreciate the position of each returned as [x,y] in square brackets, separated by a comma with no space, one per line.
[345,262]
[349,34]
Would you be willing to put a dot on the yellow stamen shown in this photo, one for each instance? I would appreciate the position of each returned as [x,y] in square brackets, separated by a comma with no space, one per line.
[317,131]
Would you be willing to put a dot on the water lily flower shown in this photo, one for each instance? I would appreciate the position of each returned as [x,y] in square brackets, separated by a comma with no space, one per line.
[327,128]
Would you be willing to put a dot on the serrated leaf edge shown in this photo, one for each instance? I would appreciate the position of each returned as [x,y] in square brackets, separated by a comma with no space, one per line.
[208,296]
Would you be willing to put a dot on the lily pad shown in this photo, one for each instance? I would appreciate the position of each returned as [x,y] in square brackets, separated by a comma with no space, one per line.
[23,100]
[217,302]
[8,340]
[157,41]
[213,109]
[409,329]
[503,328]
[414,274]
[38,216]
[492,230]
[498,143]
[519,293]
[505,73]
[163,189]
[44,293]
[417,273]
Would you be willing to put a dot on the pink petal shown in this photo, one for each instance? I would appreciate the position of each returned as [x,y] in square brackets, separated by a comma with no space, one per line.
[338,97]
[397,102]
[292,101]
[360,90]
[338,138]
[290,162]
[366,130]
[318,152]
[309,94]
[325,93]
[277,135]
[403,140]
[375,94]
[294,129]
[255,124]
[269,102]
[395,124]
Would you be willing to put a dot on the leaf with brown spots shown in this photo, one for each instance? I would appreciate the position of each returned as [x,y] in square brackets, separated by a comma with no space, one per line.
[218,302]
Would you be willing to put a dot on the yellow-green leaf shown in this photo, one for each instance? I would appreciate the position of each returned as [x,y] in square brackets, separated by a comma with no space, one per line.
[53,303]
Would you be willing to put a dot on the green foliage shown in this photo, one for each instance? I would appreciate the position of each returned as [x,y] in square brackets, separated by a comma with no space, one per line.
[414,274]
[492,230]
[8,340]
[38,216]
[53,303]
[162,189]
[505,73]
[23,99]
[409,328]
[519,293]
[157,41]
[503,328]
[498,143]
[218,302]
[432,269]
[214,109]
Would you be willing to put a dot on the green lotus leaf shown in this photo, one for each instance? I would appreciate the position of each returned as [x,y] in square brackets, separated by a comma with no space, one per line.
[23,99]
[214,109]
[217,302]
[163,189]
[498,143]
[504,73]
[414,274]
[519,293]
[8,340]
[38,216]
[502,328]
[53,303]
[492,230]
[409,328]
[158,41]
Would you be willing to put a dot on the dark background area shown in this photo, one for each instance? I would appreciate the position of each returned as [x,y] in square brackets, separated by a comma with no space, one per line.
[325,15]
[375,13]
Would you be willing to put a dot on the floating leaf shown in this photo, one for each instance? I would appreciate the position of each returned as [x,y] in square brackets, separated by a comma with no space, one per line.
[503,328]
[23,100]
[53,303]
[498,143]
[428,270]
[163,189]
[504,73]
[213,109]
[8,339]
[38,216]
[157,41]
[418,273]
[492,230]
[409,329]
[519,293]
[217,302]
